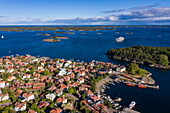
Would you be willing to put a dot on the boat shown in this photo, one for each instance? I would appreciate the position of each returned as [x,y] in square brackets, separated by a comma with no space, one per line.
[132,104]
[120,39]
[9,51]
[118,99]
[141,86]
[130,84]
[2,36]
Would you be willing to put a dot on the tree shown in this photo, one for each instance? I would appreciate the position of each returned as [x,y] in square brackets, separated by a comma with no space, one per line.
[51,105]
[49,84]
[83,96]
[55,59]
[141,71]
[13,98]
[71,90]
[163,60]
[132,68]
[46,72]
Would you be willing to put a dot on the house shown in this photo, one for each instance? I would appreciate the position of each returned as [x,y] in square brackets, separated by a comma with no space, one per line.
[52,88]
[81,80]
[81,88]
[56,110]
[59,92]
[62,72]
[31,111]
[61,80]
[28,96]
[94,98]
[67,78]
[10,70]
[2,84]
[2,70]
[20,106]
[19,91]
[10,78]
[121,69]
[62,86]
[61,100]
[4,97]
[50,96]
[89,93]
[42,104]
[26,76]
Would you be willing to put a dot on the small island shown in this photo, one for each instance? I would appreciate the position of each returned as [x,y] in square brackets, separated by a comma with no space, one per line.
[43,34]
[157,57]
[59,37]
[51,40]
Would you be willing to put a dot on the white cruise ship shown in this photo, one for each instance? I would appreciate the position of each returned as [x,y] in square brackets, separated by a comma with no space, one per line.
[120,39]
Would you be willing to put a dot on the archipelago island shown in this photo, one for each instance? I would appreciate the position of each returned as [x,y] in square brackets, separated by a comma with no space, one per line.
[157,57]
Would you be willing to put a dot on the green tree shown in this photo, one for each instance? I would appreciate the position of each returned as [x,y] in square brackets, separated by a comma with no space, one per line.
[83,96]
[71,90]
[49,84]
[163,60]
[12,96]
[51,105]
[46,72]
[132,68]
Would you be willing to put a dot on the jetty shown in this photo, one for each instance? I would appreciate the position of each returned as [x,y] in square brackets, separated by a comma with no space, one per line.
[128,110]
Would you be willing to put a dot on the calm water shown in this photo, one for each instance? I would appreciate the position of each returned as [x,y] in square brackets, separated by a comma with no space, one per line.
[92,46]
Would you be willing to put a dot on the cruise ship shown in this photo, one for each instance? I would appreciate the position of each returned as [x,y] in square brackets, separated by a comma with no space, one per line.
[120,39]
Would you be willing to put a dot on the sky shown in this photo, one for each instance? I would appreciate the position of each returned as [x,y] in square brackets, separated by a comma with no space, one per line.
[84,12]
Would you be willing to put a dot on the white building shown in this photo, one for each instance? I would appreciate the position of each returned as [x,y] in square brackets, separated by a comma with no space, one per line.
[50,96]
[20,106]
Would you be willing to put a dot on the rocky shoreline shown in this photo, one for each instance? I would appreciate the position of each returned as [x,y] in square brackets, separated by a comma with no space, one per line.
[150,65]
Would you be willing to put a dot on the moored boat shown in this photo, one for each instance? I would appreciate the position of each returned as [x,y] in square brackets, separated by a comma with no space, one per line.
[130,84]
[132,104]
[141,86]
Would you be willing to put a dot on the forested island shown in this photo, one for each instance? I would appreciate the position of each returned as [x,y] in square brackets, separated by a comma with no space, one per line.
[74,28]
[158,57]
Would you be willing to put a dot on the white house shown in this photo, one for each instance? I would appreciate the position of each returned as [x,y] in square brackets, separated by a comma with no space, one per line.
[121,69]
[10,71]
[2,70]
[2,84]
[4,97]
[50,96]
[59,92]
[28,97]
[81,80]
[20,106]
[26,76]
[10,78]
[62,72]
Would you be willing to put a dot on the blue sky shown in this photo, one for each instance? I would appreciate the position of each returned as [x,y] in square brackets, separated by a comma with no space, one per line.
[85,12]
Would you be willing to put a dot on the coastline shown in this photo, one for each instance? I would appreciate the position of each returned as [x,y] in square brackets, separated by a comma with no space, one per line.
[150,65]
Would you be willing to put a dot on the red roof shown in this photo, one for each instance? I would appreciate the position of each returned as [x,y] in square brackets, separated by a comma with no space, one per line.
[56,110]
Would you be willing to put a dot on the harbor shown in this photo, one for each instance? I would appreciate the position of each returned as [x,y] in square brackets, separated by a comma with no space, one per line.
[117,78]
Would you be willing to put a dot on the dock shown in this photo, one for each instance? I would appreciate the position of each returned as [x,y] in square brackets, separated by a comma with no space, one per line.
[128,110]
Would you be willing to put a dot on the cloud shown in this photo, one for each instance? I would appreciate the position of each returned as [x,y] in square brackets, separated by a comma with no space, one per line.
[147,16]
[131,9]
[83,20]
[150,13]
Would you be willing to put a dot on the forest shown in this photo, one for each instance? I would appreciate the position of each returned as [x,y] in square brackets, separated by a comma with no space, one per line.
[157,56]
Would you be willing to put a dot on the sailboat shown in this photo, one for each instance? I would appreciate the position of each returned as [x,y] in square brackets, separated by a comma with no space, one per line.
[9,51]
[2,36]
